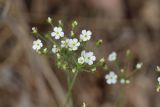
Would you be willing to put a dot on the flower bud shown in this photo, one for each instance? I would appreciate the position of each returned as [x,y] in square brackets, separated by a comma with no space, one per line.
[99,42]
[73,70]
[72,34]
[34,30]
[49,20]
[93,69]
[60,23]
[102,60]
[45,50]
[158,88]
[74,24]
[158,69]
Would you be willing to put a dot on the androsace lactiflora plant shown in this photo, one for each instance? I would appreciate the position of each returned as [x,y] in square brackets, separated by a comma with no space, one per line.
[67,51]
[70,56]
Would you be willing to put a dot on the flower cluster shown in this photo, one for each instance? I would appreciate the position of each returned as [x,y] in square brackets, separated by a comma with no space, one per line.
[117,73]
[67,49]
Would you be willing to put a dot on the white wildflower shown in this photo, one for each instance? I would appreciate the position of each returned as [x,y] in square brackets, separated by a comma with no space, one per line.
[112,56]
[89,58]
[81,60]
[85,35]
[139,65]
[111,78]
[65,43]
[37,44]
[73,44]
[54,49]
[57,33]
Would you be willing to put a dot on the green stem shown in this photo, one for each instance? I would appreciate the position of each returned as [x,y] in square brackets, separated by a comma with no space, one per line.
[71,81]
[120,98]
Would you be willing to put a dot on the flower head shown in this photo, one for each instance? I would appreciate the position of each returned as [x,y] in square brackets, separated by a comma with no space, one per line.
[85,35]
[57,33]
[37,44]
[54,49]
[112,56]
[73,44]
[111,78]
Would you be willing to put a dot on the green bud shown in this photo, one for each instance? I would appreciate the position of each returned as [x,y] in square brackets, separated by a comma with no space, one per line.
[102,60]
[59,64]
[105,67]
[128,53]
[45,50]
[73,70]
[60,23]
[34,30]
[64,66]
[58,55]
[158,88]
[128,81]
[158,69]
[122,70]
[72,34]
[93,69]
[99,42]
[39,52]
[74,24]
[49,20]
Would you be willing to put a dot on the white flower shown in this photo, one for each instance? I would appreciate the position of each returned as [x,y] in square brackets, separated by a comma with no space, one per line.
[37,44]
[111,78]
[139,65]
[85,35]
[89,58]
[158,79]
[81,60]
[112,56]
[65,43]
[57,33]
[73,44]
[54,49]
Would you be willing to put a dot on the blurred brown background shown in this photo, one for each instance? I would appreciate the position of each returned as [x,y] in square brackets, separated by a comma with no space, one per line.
[29,80]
